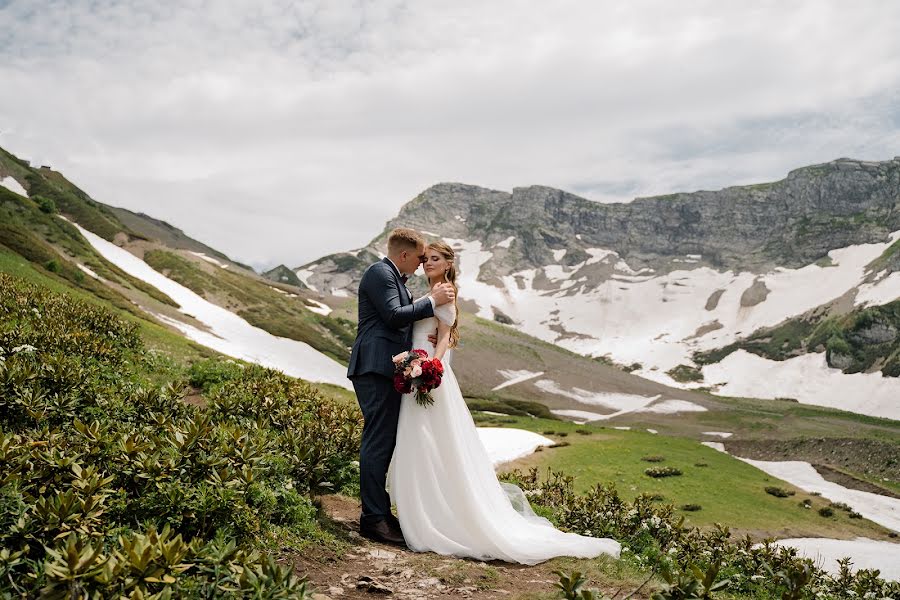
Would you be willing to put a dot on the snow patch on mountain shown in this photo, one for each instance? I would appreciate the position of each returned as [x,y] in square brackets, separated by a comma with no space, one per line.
[210,259]
[304,275]
[621,403]
[883,510]
[882,291]
[318,307]
[505,243]
[514,377]
[227,332]
[89,271]
[671,407]
[807,379]
[580,416]
[660,320]
[14,186]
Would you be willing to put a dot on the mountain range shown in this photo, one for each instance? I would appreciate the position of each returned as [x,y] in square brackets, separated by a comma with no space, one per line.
[776,290]
[779,290]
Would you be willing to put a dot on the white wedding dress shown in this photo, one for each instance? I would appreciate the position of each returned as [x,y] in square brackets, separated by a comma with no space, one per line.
[447,495]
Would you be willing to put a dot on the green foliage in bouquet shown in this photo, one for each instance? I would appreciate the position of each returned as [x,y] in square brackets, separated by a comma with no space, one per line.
[113,487]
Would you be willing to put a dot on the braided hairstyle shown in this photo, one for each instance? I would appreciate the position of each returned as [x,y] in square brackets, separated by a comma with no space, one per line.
[450,277]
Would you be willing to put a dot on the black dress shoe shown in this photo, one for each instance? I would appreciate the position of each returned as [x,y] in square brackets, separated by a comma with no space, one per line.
[382,532]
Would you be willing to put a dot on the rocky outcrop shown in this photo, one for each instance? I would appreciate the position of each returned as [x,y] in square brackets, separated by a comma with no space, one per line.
[282,274]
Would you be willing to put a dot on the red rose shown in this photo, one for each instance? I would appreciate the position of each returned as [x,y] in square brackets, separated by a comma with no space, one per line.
[399,382]
[421,352]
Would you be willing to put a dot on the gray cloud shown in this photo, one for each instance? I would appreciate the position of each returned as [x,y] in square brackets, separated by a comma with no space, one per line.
[279,131]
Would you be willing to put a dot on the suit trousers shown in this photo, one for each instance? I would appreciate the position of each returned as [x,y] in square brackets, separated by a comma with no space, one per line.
[380,405]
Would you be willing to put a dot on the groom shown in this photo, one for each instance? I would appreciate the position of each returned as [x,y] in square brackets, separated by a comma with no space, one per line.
[386,315]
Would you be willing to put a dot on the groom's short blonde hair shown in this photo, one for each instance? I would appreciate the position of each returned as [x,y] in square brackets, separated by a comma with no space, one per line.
[403,238]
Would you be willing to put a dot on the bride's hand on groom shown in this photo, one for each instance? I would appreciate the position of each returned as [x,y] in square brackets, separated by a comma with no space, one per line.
[442,293]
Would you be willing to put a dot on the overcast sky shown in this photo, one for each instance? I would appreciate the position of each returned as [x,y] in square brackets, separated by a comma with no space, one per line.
[283,130]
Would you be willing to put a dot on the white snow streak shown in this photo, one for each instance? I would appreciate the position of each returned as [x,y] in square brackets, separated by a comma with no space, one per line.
[514,377]
[14,186]
[229,334]
[877,508]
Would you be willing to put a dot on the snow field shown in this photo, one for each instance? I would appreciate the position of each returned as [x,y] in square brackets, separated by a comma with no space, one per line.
[865,554]
[653,320]
[504,445]
[808,379]
[514,377]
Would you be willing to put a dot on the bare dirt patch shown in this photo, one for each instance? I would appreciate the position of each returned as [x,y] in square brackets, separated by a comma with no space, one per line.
[368,569]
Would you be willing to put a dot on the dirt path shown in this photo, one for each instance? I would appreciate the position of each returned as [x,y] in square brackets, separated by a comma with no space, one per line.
[371,569]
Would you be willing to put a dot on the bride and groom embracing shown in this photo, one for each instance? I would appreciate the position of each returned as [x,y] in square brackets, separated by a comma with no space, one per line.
[440,476]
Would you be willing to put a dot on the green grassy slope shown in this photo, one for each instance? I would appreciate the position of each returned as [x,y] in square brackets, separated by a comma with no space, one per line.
[727,490]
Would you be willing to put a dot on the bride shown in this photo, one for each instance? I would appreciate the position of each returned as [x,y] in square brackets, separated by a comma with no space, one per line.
[441,479]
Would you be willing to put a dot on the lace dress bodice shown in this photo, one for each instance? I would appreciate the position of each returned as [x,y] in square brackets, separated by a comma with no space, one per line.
[425,327]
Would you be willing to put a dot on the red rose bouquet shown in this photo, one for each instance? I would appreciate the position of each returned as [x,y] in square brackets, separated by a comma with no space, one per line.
[413,370]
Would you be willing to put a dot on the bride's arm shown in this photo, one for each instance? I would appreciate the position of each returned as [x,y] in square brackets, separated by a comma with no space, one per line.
[443,340]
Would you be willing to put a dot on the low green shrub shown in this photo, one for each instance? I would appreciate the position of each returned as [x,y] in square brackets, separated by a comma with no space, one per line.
[778,492]
[694,563]
[657,472]
[113,487]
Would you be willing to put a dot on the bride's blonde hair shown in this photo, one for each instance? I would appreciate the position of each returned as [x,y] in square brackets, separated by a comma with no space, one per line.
[450,277]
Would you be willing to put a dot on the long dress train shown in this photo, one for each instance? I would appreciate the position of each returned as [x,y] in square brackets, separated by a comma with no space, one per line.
[448,498]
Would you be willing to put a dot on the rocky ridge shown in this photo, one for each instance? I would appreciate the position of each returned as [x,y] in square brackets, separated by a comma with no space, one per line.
[788,223]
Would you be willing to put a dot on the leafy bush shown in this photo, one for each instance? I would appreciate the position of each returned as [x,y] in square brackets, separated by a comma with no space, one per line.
[694,563]
[657,472]
[826,511]
[112,487]
[46,205]
[779,492]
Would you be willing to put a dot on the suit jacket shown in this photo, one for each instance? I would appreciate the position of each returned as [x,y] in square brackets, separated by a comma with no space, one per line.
[386,315]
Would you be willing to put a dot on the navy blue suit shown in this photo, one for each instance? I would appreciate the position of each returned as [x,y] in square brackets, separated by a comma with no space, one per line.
[386,315]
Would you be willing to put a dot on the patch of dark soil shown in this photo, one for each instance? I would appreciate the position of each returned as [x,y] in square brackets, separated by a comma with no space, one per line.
[845,479]
[370,570]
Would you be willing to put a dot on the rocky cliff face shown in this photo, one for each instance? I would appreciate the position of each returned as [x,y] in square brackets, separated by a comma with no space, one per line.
[788,223]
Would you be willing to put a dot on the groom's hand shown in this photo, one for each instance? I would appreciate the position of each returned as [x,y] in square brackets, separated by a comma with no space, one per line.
[442,294]
[433,339]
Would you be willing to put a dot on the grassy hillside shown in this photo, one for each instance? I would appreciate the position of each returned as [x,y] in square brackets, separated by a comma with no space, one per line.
[111,486]
[714,487]
[32,228]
